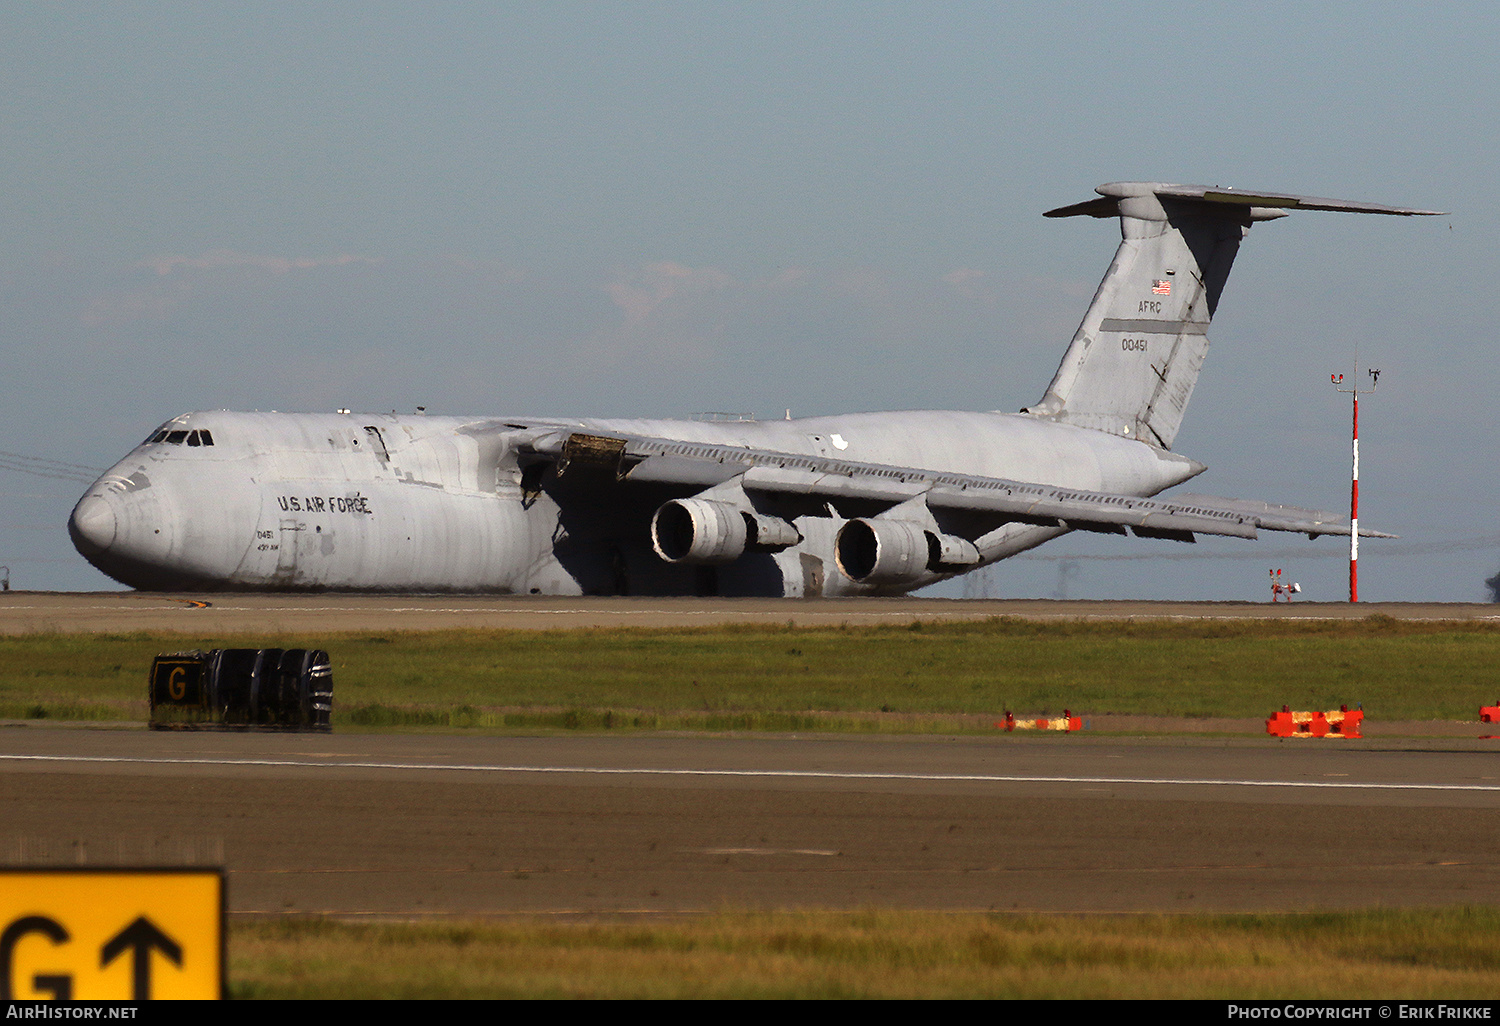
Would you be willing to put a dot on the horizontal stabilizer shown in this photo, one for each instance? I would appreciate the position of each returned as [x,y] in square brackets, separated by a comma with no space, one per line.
[1110,194]
[1242,198]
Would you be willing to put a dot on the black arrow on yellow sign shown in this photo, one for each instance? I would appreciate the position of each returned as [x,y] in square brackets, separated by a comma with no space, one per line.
[140,937]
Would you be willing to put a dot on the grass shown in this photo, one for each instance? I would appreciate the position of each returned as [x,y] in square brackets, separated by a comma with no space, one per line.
[1450,953]
[921,677]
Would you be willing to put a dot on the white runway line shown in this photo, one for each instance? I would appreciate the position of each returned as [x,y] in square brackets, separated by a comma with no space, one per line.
[774,774]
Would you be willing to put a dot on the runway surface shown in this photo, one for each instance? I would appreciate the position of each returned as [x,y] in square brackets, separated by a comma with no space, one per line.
[413,825]
[32,612]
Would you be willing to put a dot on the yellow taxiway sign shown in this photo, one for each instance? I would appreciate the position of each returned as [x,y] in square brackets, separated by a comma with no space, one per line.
[111,934]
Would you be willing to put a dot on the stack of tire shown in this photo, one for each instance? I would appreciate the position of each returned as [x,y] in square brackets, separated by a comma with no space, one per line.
[268,688]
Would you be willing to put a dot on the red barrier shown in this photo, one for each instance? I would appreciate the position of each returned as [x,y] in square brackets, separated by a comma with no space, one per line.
[1065,722]
[1339,723]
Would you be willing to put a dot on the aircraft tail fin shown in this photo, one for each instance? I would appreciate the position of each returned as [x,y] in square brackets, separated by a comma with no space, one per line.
[1132,365]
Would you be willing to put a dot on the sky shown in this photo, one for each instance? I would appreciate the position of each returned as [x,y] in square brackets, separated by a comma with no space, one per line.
[655,209]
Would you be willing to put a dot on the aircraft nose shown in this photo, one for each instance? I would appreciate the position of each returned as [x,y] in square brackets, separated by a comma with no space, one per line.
[92,524]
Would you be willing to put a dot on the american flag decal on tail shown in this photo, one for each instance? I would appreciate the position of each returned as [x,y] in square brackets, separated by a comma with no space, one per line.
[1161,287]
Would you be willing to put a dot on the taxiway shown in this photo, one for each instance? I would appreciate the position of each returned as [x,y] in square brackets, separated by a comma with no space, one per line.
[450,825]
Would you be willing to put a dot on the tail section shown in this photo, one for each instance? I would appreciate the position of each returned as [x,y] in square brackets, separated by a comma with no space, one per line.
[1132,365]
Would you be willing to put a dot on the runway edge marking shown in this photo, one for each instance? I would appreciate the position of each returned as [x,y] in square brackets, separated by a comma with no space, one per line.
[802,774]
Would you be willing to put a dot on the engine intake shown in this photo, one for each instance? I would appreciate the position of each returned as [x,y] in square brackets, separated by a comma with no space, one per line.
[898,551]
[706,531]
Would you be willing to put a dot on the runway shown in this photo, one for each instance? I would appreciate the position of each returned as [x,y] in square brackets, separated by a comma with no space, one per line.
[453,825]
[42,612]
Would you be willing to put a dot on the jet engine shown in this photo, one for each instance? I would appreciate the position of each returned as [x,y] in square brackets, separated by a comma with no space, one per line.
[706,531]
[898,552]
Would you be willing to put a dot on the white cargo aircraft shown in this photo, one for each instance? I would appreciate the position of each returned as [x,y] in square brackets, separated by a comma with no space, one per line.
[876,503]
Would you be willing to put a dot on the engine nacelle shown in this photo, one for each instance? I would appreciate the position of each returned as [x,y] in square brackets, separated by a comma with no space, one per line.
[770,534]
[706,531]
[949,552]
[898,551]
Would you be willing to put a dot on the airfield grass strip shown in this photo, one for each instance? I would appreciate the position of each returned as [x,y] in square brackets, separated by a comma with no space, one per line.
[1446,953]
[468,717]
[922,676]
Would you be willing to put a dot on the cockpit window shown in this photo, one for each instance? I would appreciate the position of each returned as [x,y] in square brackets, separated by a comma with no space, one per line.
[199,437]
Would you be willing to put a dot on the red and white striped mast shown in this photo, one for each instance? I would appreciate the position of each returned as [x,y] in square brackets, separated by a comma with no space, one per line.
[1355,392]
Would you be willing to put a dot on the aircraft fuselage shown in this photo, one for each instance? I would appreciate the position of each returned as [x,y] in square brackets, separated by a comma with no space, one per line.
[273,501]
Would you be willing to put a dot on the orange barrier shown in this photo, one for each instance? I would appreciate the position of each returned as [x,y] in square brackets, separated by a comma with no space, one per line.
[1339,723]
[1065,722]
[1489,713]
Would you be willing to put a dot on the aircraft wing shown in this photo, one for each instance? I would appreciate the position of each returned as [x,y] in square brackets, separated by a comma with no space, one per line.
[701,465]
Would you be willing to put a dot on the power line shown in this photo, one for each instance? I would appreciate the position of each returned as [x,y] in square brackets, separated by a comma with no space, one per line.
[42,466]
